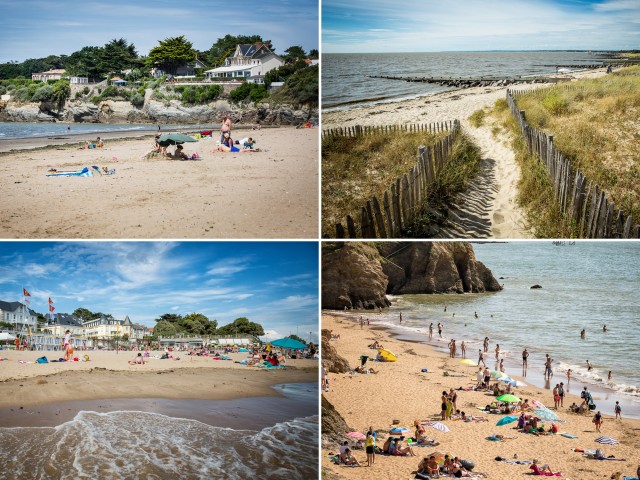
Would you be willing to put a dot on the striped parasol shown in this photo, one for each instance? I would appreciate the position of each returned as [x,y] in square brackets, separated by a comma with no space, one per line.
[607,440]
[356,435]
[545,414]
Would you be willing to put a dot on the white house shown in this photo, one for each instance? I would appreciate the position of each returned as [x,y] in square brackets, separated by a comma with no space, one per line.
[19,315]
[49,75]
[249,62]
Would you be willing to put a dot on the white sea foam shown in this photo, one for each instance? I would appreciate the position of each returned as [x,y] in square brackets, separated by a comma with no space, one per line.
[128,444]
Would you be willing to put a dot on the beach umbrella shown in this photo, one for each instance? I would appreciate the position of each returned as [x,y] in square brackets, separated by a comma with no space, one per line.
[607,440]
[438,456]
[6,336]
[508,398]
[545,414]
[496,374]
[506,379]
[537,404]
[439,426]
[356,435]
[399,430]
[174,139]
[507,419]
[288,343]
[467,361]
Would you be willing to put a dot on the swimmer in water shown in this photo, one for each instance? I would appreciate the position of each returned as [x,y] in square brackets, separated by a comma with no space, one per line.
[582,333]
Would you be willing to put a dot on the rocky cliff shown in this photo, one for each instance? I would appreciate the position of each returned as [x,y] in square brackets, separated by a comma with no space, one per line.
[154,112]
[359,275]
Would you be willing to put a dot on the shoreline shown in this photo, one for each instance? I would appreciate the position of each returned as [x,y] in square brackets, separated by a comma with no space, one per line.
[604,397]
[258,411]
[401,391]
[461,102]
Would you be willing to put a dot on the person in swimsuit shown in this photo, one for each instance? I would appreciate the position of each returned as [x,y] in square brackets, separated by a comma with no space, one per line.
[525,358]
[225,127]
[228,146]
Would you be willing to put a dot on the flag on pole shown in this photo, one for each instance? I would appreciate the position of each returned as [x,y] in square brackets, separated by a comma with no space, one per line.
[25,293]
[51,308]
[50,301]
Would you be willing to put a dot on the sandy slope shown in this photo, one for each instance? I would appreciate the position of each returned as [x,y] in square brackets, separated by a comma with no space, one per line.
[270,194]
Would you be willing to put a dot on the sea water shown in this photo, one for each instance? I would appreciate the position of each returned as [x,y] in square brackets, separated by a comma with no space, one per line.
[585,285]
[149,445]
[12,130]
[346,81]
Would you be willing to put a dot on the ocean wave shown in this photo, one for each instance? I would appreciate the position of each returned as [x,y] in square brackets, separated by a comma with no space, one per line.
[127,444]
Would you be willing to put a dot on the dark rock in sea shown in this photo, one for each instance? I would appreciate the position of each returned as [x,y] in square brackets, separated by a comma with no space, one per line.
[536,286]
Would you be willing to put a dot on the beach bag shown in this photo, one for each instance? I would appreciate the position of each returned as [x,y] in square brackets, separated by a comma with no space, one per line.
[467,464]
[42,360]
[592,406]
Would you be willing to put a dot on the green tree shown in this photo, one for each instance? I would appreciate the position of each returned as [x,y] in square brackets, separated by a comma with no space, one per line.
[294,54]
[61,91]
[302,87]
[172,53]
[84,314]
[85,63]
[283,72]
[241,326]
[165,329]
[313,53]
[117,55]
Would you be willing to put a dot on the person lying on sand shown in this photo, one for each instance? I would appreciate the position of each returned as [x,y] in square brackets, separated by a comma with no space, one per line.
[362,369]
[138,360]
[544,470]
[397,449]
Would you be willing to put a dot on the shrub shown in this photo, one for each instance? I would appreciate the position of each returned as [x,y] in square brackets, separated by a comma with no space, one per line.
[85,90]
[3,89]
[137,100]
[555,103]
[43,94]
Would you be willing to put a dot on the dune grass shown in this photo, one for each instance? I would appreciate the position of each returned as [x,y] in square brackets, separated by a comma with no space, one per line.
[595,124]
[356,169]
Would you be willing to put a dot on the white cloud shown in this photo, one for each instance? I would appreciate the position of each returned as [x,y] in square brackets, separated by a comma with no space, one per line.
[229,266]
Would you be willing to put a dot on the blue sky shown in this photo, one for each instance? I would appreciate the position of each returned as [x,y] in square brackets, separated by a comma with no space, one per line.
[271,283]
[38,28]
[472,25]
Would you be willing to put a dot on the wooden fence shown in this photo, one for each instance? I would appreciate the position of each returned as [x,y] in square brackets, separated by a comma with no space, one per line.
[583,202]
[358,130]
[404,199]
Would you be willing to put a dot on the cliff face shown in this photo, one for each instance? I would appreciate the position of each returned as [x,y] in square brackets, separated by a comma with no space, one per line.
[352,276]
[358,275]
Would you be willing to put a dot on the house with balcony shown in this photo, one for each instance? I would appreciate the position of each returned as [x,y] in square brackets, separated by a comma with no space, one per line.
[249,62]
[18,315]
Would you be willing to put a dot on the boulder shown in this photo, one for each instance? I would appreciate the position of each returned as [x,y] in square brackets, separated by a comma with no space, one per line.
[330,358]
[536,286]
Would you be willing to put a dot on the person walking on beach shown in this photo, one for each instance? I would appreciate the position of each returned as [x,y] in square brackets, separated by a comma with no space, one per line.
[497,350]
[431,331]
[556,396]
[481,357]
[609,376]
[568,376]
[618,410]
[443,406]
[561,393]
[502,365]
[525,357]
[440,329]
[486,344]
[604,328]
[463,349]
[597,420]
[475,314]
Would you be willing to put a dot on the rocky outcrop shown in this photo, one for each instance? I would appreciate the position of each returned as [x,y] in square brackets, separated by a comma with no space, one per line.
[352,276]
[334,426]
[435,267]
[359,275]
[154,112]
[333,362]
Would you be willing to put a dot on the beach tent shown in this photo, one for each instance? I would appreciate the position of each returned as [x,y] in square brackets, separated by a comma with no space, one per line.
[386,355]
[6,336]
[289,343]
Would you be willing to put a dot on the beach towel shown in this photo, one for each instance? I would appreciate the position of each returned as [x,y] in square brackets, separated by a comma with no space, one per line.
[568,435]
[42,360]
[85,172]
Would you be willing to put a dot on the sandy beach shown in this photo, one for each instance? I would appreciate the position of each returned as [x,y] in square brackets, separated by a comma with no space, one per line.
[267,194]
[108,375]
[506,217]
[402,391]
